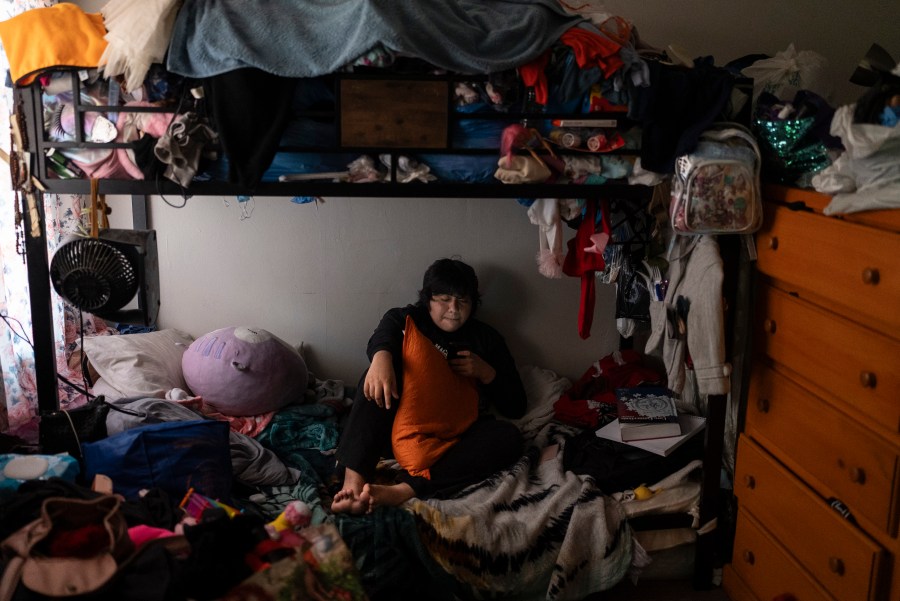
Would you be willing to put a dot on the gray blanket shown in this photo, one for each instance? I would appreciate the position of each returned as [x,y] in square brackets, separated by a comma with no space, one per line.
[293,38]
[251,463]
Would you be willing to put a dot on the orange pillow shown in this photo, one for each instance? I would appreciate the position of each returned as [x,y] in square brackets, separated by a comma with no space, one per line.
[436,405]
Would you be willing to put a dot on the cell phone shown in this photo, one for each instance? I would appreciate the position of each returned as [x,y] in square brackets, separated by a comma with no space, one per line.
[454,348]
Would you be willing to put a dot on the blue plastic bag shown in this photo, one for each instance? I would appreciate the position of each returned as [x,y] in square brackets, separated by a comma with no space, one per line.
[173,456]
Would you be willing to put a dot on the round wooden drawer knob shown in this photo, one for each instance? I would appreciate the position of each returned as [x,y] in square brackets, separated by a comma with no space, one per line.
[770,326]
[773,243]
[762,405]
[871,276]
[836,565]
[857,475]
[868,379]
[750,482]
[748,556]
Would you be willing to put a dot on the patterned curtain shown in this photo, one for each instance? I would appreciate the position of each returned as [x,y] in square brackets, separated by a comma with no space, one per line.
[63,212]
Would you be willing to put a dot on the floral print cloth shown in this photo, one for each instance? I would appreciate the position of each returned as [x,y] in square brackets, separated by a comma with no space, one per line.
[62,212]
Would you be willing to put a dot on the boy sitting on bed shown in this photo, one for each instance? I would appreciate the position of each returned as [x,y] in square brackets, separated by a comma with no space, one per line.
[434,372]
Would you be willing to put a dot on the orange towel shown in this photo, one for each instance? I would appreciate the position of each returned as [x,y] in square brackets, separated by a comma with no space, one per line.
[62,35]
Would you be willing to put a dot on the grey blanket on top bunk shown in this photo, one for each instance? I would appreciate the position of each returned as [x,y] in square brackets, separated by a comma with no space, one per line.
[294,38]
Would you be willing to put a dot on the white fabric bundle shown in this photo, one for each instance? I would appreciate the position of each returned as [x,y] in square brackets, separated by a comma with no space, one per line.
[544,212]
[138,34]
[547,213]
[866,176]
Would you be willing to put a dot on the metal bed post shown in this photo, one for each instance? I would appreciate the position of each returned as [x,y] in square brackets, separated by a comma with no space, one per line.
[41,308]
[710,494]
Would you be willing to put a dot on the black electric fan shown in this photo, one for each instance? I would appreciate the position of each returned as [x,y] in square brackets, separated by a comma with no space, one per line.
[103,274]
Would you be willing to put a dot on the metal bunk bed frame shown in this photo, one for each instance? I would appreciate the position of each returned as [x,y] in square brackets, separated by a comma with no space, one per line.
[40,289]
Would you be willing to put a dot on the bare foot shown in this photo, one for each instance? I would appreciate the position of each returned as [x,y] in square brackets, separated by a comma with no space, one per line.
[349,501]
[388,495]
[352,498]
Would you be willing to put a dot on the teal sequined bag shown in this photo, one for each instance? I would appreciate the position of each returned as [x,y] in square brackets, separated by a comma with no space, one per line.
[789,152]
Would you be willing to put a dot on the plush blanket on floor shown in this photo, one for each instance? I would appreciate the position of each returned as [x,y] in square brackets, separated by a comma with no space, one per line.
[534,531]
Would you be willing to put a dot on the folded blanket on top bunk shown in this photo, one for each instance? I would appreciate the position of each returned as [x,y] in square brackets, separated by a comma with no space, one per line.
[306,39]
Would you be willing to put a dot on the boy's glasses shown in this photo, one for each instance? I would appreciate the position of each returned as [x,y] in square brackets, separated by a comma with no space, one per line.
[447,300]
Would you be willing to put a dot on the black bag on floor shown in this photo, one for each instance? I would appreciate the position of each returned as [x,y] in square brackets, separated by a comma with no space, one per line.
[65,430]
[616,466]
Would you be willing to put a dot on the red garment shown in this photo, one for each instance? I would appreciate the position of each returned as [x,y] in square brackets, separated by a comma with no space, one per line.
[82,541]
[594,394]
[591,50]
[533,75]
[580,263]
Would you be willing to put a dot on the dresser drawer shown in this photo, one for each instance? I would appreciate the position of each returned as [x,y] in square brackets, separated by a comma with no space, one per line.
[808,435]
[855,266]
[735,587]
[766,568]
[836,553]
[856,364]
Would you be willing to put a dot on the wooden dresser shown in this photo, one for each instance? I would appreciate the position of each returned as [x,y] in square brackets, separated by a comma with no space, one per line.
[822,423]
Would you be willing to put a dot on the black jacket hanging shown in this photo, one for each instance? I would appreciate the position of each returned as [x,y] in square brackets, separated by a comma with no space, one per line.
[249,109]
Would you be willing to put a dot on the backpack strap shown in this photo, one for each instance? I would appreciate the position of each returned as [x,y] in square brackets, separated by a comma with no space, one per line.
[11,577]
[722,131]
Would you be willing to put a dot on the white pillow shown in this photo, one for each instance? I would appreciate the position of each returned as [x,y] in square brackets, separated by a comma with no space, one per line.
[101,388]
[138,365]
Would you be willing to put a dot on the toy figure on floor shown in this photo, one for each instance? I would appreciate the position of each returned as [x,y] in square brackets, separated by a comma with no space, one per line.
[434,372]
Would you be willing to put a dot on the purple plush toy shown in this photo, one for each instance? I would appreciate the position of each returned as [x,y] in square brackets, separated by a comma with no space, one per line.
[243,371]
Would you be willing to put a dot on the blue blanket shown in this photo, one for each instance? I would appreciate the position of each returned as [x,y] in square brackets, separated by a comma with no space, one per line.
[296,38]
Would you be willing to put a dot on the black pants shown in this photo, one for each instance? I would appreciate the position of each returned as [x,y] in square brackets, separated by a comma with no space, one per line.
[488,446]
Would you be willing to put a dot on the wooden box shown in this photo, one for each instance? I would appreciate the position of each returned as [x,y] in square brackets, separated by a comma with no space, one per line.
[389,113]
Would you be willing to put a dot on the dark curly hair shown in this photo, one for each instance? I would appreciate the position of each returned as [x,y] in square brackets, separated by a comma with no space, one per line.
[450,276]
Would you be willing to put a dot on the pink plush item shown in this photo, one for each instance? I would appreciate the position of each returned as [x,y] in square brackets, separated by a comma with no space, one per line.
[142,533]
[242,371]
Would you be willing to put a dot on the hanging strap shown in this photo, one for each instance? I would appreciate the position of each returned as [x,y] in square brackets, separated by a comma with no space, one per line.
[95,225]
[11,577]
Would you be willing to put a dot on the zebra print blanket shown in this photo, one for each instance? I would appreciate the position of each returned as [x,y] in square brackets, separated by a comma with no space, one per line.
[534,531]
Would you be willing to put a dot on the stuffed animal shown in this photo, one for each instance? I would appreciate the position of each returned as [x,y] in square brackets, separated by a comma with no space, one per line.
[241,371]
[296,515]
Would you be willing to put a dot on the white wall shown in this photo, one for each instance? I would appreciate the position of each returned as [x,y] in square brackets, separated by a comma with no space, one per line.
[324,275]
[840,30]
